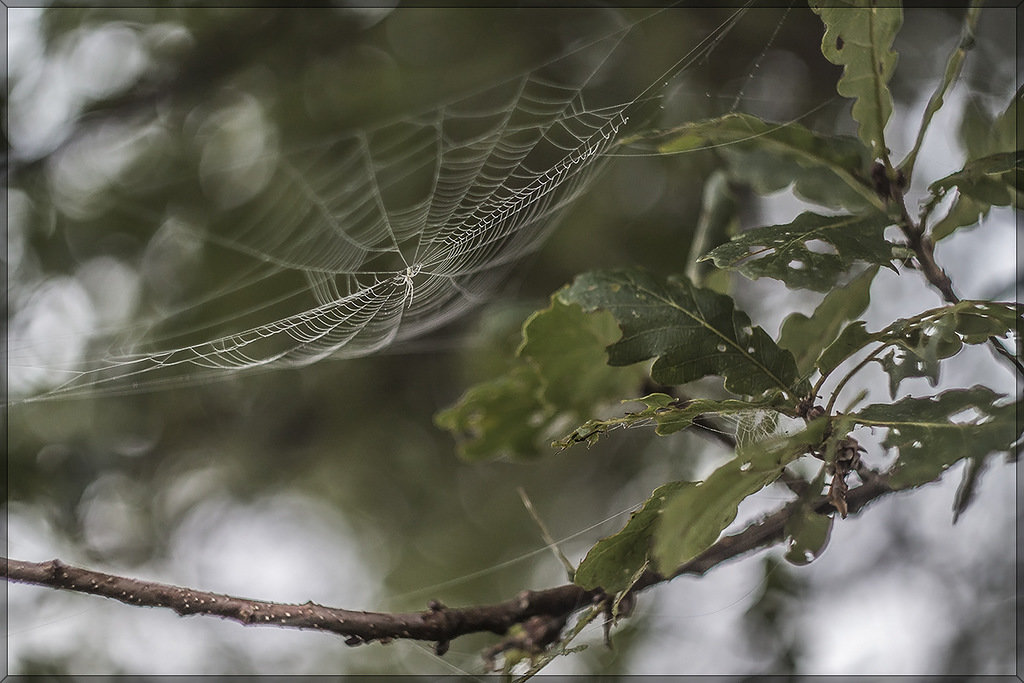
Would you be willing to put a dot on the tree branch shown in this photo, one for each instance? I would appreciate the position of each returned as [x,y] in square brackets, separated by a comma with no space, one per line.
[924,252]
[438,623]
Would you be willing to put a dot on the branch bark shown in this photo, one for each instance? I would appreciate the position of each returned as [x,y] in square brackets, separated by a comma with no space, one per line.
[438,623]
[924,253]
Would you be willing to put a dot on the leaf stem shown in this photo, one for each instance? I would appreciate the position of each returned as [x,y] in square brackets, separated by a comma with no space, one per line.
[954,65]
[846,378]
[819,384]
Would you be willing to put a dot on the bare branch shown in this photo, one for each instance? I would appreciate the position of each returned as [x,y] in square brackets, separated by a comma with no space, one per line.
[438,623]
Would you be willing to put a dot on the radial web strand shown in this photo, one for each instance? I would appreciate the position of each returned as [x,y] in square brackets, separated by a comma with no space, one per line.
[378,236]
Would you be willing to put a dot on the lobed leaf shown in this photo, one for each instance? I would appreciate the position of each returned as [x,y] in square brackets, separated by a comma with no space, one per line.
[929,436]
[812,252]
[567,348]
[694,517]
[613,561]
[832,171]
[858,37]
[560,372]
[806,337]
[919,348]
[693,332]
[920,342]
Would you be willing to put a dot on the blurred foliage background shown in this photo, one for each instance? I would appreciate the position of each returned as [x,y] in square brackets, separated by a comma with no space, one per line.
[330,483]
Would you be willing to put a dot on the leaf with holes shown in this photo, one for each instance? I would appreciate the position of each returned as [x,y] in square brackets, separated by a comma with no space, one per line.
[694,517]
[924,340]
[976,321]
[932,433]
[806,337]
[693,332]
[613,561]
[812,252]
[858,37]
[832,171]
[919,348]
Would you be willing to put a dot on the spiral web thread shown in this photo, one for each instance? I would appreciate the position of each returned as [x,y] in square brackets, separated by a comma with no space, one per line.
[398,229]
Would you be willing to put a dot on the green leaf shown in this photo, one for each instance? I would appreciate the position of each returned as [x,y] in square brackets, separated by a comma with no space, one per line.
[812,252]
[926,338]
[997,179]
[560,373]
[932,433]
[976,321]
[968,485]
[808,532]
[497,418]
[807,337]
[668,413]
[954,65]
[831,171]
[921,342]
[858,37]
[718,221]
[852,339]
[982,134]
[567,347]
[963,213]
[613,561]
[693,332]
[694,517]
[920,348]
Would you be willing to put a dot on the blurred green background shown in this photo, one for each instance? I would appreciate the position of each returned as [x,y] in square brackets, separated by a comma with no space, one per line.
[330,483]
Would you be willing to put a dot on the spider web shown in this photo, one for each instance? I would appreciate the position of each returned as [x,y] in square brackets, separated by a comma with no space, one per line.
[387,233]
